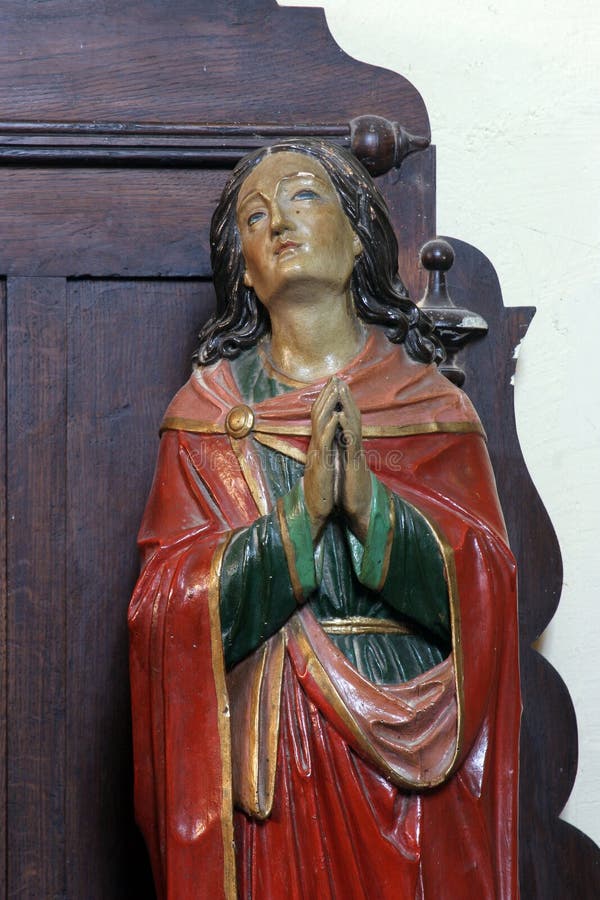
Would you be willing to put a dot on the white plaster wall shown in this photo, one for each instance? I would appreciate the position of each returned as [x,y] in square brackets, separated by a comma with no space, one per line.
[513,94]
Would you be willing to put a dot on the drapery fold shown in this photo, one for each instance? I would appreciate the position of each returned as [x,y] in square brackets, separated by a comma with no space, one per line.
[354,823]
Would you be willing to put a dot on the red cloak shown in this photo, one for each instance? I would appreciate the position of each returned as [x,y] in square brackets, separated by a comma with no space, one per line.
[343,823]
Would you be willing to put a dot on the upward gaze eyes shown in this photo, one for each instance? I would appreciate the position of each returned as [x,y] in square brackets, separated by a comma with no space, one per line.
[255,217]
[304,194]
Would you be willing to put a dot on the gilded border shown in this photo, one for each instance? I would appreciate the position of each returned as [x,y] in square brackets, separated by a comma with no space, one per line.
[275,443]
[368,431]
[318,672]
[252,483]
[253,761]
[223,720]
[447,554]
[364,625]
[389,541]
[196,426]
[290,554]
[275,682]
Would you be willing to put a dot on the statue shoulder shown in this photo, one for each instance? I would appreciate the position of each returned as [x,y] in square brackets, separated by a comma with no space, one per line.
[206,397]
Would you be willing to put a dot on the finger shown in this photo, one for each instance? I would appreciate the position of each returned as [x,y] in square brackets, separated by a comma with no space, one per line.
[346,397]
[325,437]
[349,405]
[351,434]
[326,400]
[337,476]
[331,388]
[322,416]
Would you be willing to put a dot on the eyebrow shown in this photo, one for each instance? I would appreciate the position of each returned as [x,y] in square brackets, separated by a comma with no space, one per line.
[251,196]
[289,177]
[302,175]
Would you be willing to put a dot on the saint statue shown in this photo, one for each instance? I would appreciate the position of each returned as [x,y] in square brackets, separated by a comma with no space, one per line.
[324,654]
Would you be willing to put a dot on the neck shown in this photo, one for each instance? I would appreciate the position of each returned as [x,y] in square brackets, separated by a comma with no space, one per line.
[310,341]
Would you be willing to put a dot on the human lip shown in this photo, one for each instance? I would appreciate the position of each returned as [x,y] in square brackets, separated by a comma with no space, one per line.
[283,246]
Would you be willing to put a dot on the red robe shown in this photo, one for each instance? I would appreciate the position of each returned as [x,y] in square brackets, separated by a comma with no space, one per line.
[343,820]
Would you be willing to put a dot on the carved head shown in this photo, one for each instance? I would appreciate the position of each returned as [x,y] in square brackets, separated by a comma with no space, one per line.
[379,295]
[294,231]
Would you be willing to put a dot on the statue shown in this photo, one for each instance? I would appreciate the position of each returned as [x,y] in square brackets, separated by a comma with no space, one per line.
[324,653]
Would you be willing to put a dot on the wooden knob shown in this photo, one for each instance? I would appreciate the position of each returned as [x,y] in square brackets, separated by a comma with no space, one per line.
[454,327]
[380,144]
[437,255]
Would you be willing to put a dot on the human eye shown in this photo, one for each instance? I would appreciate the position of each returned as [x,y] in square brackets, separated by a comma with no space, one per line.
[305,194]
[255,217]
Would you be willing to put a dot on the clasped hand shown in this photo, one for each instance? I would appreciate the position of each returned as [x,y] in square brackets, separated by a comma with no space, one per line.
[336,477]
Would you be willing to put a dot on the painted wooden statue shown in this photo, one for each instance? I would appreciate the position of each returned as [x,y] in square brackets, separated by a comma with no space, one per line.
[323,638]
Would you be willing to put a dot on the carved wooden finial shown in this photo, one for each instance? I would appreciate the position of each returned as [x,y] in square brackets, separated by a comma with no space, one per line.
[454,326]
[380,144]
[437,257]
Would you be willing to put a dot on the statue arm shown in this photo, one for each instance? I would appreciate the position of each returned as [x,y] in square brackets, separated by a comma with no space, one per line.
[268,569]
[401,560]
[267,566]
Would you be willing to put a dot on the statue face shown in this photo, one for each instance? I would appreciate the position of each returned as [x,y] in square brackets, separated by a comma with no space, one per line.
[295,234]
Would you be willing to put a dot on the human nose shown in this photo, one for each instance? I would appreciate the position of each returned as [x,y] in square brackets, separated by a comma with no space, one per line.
[279,219]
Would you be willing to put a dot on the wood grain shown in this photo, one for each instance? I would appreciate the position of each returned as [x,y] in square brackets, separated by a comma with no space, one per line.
[36,469]
[118,390]
[410,194]
[159,61]
[106,222]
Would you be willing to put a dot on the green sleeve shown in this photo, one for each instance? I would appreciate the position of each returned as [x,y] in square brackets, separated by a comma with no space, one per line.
[371,559]
[401,560]
[268,568]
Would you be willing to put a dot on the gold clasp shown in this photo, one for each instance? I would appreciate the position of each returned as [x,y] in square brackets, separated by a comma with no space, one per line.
[239,421]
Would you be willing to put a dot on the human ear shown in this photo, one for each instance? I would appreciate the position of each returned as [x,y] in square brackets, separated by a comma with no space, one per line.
[357,245]
[247,280]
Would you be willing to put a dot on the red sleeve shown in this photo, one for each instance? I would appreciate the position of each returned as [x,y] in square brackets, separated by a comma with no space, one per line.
[179,699]
[449,478]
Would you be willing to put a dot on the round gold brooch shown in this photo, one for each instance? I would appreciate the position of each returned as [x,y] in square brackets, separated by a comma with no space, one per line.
[239,421]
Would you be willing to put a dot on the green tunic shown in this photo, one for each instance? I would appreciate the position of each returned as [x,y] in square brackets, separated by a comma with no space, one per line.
[339,577]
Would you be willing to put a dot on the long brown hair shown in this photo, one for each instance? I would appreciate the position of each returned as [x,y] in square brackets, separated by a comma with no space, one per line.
[380,296]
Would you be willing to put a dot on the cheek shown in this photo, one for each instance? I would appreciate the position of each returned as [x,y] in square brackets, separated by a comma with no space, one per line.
[337,240]
[253,253]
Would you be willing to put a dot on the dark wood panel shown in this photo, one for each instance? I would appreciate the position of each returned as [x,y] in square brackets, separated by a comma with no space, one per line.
[190,61]
[106,222]
[3,660]
[130,346]
[410,194]
[36,586]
